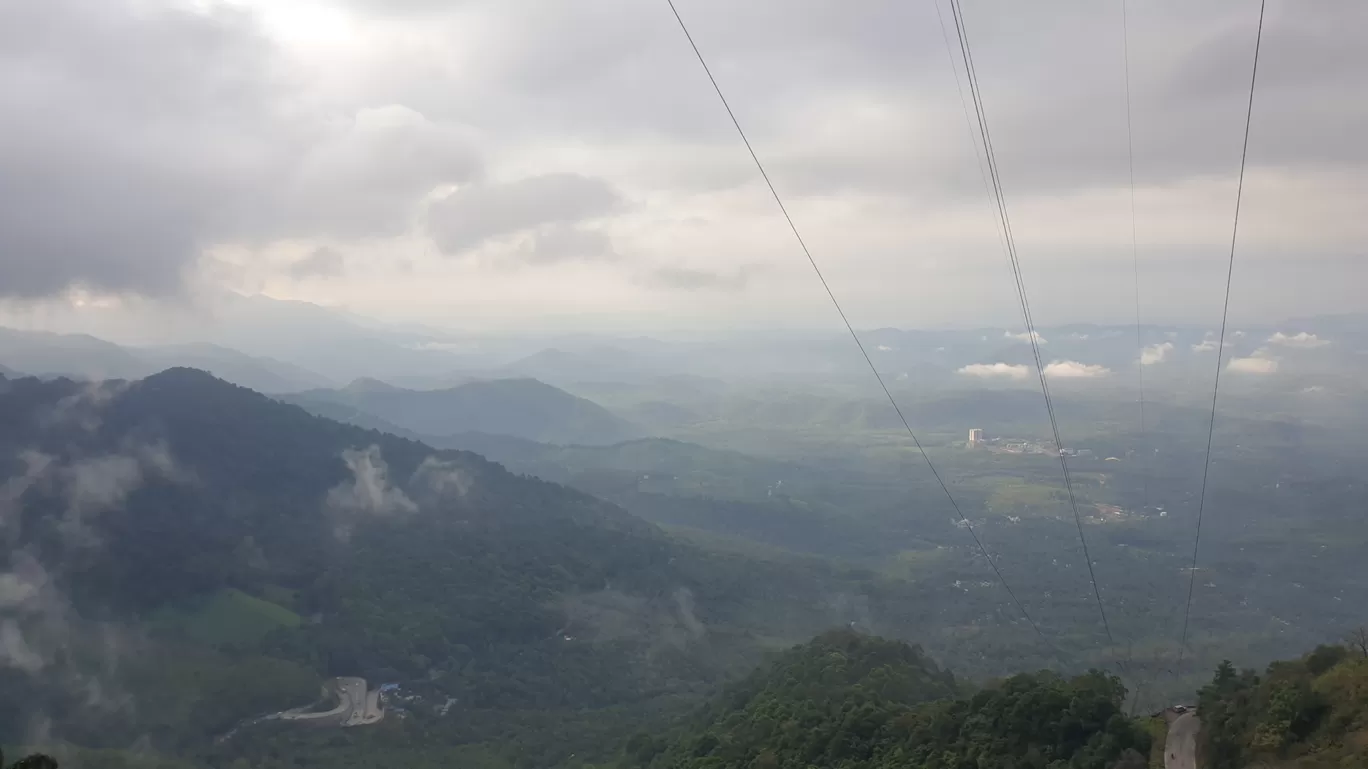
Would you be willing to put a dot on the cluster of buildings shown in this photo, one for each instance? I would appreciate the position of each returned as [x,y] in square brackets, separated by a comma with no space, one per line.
[979,440]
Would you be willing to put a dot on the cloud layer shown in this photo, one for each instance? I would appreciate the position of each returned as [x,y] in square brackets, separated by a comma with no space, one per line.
[573,156]
[996,370]
[476,214]
[1156,353]
[1301,340]
[1072,369]
[1254,364]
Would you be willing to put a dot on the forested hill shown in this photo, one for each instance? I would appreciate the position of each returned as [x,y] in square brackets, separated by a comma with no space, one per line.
[198,553]
[848,700]
[172,476]
[1310,713]
[523,408]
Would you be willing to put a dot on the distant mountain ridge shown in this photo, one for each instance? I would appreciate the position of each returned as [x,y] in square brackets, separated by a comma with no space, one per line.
[42,353]
[81,356]
[254,372]
[521,408]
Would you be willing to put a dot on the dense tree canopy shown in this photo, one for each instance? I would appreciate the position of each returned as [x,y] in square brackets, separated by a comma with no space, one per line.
[1308,713]
[847,700]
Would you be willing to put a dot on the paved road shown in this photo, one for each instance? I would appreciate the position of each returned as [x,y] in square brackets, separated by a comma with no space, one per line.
[338,714]
[354,706]
[365,708]
[374,712]
[1180,749]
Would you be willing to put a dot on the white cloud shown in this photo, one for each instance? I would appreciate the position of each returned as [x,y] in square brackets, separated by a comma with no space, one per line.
[884,348]
[1155,353]
[1303,340]
[1025,337]
[993,370]
[1208,343]
[442,477]
[370,490]
[1258,363]
[1072,369]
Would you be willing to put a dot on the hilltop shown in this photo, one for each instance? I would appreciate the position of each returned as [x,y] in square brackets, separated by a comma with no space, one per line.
[849,700]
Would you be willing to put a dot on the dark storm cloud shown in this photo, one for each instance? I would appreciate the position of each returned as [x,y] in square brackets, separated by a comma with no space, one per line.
[135,136]
[477,213]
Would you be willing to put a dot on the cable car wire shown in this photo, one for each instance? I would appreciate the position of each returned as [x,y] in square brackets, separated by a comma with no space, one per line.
[966,53]
[1135,259]
[849,327]
[1220,345]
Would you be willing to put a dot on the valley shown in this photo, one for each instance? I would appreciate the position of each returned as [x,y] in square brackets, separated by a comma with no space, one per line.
[541,599]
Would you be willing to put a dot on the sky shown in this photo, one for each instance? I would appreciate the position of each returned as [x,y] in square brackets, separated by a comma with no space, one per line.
[536,164]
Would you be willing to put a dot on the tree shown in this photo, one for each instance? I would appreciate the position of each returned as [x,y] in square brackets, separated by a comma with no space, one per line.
[1225,673]
[1130,759]
[34,761]
[1358,639]
[1324,658]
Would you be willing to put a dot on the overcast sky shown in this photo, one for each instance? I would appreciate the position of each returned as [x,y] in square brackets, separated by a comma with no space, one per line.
[519,164]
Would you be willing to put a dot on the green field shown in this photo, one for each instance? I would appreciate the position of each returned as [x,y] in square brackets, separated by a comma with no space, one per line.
[1017,496]
[229,617]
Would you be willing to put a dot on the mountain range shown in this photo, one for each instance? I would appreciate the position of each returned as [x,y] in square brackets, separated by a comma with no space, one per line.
[204,554]
[521,408]
[184,555]
[81,356]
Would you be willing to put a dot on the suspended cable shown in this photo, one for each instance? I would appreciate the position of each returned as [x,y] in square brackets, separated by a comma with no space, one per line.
[968,125]
[1135,269]
[966,52]
[1135,260]
[849,327]
[1220,345]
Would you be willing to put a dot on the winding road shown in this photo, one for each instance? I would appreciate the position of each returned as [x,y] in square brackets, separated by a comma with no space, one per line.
[355,707]
[1180,748]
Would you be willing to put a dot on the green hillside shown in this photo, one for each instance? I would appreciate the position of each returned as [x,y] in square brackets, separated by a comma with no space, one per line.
[557,623]
[847,700]
[1310,713]
[229,617]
